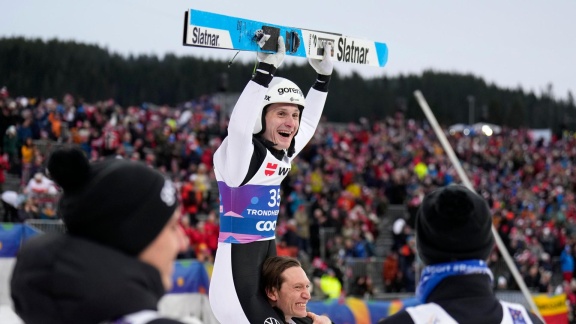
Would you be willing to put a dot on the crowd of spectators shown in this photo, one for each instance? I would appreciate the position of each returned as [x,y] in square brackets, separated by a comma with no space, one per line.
[344,180]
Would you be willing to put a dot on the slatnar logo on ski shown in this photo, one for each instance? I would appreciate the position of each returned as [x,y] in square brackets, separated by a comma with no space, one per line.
[207,29]
[348,52]
[204,37]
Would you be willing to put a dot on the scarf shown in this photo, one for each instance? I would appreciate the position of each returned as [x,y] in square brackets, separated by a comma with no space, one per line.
[432,275]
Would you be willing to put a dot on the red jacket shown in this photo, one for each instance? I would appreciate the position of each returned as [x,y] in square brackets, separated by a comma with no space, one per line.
[4,165]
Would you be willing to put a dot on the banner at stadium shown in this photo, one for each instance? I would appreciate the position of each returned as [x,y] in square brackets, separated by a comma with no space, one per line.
[552,308]
[358,311]
[11,236]
[190,276]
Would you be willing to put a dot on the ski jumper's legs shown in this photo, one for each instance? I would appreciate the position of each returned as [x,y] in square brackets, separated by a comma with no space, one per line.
[235,292]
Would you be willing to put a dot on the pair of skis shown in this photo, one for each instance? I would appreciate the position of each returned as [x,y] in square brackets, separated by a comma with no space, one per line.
[206,29]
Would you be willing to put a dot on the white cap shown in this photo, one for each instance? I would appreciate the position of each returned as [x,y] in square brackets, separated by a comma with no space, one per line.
[280,90]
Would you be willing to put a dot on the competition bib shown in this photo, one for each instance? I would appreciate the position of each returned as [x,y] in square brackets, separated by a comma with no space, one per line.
[248,213]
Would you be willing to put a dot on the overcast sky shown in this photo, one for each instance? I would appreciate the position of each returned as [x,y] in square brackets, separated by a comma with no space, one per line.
[512,43]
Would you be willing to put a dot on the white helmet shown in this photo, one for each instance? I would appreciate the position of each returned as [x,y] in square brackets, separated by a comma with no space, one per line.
[280,90]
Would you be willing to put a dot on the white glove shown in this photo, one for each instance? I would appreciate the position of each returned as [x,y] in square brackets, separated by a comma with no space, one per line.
[274,59]
[325,65]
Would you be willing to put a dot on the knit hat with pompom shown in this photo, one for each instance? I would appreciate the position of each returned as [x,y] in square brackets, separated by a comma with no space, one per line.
[119,203]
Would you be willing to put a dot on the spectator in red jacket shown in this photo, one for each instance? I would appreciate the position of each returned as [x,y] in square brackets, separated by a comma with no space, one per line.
[4,166]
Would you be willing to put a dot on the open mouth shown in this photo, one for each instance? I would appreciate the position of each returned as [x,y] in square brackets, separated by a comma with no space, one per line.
[285,133]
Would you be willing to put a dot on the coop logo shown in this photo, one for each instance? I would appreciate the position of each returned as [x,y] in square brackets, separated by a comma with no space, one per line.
[204,37]
[263,226]
[282,91]
[349,52]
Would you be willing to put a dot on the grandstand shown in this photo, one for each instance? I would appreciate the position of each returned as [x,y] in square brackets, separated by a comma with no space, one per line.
[357,180]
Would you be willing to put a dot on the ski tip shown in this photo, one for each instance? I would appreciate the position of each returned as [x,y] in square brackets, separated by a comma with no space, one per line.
[382,50]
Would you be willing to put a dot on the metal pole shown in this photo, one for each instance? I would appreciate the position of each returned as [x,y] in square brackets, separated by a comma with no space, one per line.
[502,248]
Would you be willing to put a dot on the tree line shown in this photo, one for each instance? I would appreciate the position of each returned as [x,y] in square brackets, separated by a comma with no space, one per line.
[43,69]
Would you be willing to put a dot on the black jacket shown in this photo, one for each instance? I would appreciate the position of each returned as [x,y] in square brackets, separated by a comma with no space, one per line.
[297,320]
[467,299]
[62,279]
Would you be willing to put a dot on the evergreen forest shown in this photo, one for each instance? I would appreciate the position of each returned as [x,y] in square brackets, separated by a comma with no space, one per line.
[50,69]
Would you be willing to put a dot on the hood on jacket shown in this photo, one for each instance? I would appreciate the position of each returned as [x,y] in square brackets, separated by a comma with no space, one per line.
[62,279]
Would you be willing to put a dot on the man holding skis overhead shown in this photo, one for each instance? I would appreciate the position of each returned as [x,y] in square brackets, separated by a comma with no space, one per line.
[270,124]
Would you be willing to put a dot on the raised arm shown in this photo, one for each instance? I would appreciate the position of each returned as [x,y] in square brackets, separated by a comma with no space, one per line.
[232,159]
[315,99]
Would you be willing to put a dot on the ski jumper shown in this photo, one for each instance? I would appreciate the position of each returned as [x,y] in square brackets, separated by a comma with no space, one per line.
[249,205]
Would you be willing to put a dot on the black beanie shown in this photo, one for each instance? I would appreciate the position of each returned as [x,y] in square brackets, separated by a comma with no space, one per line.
[119,203]
[453,223]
